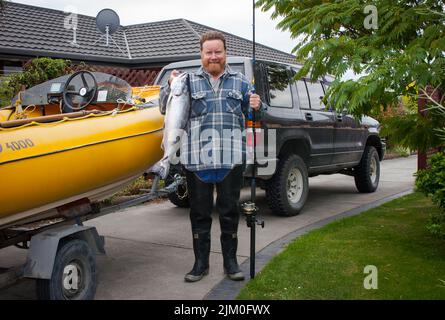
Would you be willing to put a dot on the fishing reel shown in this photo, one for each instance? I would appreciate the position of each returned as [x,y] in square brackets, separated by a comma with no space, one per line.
[250,210]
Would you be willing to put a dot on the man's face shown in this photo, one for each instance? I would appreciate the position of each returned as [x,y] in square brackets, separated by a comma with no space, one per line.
[213,57]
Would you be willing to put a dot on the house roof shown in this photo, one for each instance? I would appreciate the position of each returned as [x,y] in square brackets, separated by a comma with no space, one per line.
[34,31]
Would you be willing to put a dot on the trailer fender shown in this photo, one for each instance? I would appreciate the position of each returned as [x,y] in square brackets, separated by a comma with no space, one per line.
[43,248]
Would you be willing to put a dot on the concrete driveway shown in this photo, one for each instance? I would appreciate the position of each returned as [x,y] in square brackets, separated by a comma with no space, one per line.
[149,247]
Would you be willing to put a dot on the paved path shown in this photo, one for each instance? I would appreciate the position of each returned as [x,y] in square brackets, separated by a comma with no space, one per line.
[149,246]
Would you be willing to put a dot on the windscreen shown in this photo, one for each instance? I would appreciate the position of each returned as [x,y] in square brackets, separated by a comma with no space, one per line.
[109,89]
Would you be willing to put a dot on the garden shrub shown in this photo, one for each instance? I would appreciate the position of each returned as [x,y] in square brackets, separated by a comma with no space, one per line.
[431,182]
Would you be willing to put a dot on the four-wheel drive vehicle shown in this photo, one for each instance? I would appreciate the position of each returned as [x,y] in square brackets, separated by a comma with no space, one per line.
[298,136]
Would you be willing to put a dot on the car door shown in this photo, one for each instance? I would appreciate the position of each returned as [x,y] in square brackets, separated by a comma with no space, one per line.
[320,122]
[275,82]
[348,138]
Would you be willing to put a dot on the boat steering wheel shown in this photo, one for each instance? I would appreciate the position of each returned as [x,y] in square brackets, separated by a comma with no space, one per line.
[87,91]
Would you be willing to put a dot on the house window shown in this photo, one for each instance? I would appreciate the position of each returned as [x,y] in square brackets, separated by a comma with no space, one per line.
[7,67]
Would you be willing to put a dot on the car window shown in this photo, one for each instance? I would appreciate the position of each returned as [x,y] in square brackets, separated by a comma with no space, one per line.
[163,80]
[302,94]
[316,93]
[325,88]
[279,86]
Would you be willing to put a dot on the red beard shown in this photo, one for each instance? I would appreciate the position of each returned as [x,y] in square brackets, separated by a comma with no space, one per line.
[214,69]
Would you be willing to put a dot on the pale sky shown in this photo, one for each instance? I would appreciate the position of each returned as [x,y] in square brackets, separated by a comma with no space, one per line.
[233,16]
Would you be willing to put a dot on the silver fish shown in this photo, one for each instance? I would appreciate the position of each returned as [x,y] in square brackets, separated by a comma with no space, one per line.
[175,121]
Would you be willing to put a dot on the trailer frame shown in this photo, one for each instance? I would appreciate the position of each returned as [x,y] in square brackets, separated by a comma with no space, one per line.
[47,239]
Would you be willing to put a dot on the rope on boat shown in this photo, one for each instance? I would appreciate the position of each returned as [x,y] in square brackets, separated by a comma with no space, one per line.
[19,115]
[94,113]
[132,102]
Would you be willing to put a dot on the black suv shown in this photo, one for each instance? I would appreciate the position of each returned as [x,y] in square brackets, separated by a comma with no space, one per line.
[310,138]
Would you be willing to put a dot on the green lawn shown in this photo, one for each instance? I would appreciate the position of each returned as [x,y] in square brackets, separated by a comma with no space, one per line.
[329,263]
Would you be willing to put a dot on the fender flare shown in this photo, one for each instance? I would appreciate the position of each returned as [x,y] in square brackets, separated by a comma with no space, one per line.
[43,248]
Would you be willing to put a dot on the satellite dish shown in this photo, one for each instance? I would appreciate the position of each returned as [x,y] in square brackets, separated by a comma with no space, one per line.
[107,21]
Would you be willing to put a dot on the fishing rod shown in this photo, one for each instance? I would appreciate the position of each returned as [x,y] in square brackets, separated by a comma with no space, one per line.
[253,187]
[249,208]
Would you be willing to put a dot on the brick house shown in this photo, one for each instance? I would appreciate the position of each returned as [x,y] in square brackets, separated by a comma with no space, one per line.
[136,54]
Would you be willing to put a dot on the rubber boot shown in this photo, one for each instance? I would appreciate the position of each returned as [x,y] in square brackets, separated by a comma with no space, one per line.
[201,248]
[229,244]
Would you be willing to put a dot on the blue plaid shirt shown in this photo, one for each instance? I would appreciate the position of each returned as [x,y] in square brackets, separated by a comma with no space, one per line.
[215,133]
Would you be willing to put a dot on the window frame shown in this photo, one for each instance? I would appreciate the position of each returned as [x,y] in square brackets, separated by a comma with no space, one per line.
[325,84]
[303,80]
[265,66]
[320,82]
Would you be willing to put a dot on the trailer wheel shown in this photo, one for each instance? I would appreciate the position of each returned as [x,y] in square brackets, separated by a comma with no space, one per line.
[74,274]
[179,198]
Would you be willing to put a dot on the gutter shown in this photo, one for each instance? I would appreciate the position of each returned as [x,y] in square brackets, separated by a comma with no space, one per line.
[23,53]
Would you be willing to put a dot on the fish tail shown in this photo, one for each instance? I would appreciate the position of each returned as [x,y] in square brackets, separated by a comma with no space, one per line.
[161,168]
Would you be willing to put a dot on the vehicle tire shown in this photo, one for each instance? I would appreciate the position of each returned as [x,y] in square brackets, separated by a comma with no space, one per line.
[180,197]
[287,190]
[74,261]
[367,172]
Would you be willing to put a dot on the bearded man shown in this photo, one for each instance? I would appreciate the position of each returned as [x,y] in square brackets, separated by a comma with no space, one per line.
[220,101]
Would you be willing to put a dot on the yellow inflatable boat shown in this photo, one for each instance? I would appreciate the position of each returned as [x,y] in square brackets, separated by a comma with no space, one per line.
[72,140]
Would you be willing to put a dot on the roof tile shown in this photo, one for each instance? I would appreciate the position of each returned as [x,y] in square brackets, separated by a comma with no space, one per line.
[37,30]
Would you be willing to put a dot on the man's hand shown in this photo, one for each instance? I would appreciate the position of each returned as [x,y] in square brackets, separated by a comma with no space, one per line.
[254,101]
[173,75]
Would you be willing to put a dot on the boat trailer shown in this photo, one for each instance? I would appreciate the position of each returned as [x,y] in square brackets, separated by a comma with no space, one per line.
[61,250]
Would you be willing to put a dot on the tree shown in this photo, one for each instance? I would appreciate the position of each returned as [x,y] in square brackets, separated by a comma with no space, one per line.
[399,46]
[395,43]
